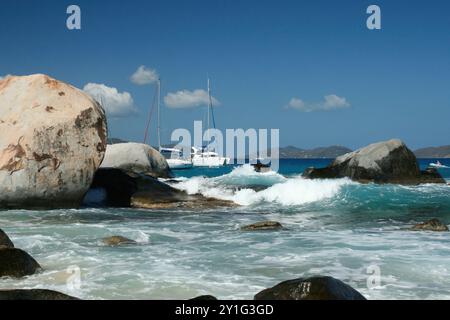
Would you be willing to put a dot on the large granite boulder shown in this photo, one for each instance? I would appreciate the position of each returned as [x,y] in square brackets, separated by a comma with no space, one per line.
[33,294]
[383,162]
[16,263]
[52,140]
[124,188]
[5,241]
[314,288]
[136,157]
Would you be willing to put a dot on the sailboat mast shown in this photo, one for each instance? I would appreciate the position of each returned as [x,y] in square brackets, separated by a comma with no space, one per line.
[209,107]
[159,115]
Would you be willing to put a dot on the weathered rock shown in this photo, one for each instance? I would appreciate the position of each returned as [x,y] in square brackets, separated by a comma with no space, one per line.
[138,158]
[16,263]
[52,140]
[383,162]
[204,298]
[5,241]
[263,226]
[430,225]
[125,189]
[314,288]
[118,241]
[33,294]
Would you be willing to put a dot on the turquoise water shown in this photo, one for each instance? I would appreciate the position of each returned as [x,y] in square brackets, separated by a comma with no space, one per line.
[333,227]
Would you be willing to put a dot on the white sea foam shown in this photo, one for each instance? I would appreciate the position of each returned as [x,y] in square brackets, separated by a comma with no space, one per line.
[281,190]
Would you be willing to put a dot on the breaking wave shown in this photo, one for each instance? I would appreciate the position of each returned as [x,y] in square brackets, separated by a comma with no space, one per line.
[246,187]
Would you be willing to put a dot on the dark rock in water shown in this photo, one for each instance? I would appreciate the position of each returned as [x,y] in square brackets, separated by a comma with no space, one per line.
[431,175]
[263,226]
[124,189]
[260,167]
[16,263]
[5,241]
[431,225]
[118,241]
[314,288]
[204,298]
[383,162]
[34,294]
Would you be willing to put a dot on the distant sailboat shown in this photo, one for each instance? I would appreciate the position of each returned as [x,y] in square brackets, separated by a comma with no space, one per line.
[201,156]
[174,157]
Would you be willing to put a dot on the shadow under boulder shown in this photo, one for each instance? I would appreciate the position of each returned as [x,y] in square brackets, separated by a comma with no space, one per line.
[124,188]
[314,288]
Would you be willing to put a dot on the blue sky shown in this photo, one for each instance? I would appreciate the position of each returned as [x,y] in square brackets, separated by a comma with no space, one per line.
[259,54]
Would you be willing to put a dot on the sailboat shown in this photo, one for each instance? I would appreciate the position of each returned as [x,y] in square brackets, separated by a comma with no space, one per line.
[173,156]
[201,156]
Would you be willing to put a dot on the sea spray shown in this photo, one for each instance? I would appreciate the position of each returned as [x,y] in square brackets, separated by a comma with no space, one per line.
[280,190]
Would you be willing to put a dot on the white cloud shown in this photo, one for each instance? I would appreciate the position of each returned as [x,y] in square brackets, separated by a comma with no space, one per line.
[330,102]
[116,104]
[188,99]
[144,75]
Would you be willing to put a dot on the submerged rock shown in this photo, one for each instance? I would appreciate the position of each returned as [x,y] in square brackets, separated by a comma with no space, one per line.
[138,158]
[124,189]
[16,263]
[263,226]
[52,140]
[430,225]
[117,241]
[204,298]
[5,241]
[383,162]
[33,294]
[314,288]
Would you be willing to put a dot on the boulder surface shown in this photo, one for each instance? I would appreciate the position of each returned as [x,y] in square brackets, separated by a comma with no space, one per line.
[52,140]
[138,158]
[33,294]
[16,263]
[314,288]
[383,162]
[5,241]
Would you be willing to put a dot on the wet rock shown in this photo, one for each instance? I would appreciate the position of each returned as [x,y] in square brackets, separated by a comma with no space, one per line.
[138,158]
[118,241]
[5,241]
[431,225]
[16,263]
[124,189]
[263,226]
[314,288]
[52,140]
[204,298]
[383,162]
[33,294]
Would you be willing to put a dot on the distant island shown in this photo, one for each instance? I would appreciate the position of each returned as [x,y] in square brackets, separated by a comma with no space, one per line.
[433,152]
[291,152]
[331,152]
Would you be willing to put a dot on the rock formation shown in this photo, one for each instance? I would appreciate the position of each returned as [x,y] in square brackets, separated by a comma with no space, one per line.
[52,140]
[383,162]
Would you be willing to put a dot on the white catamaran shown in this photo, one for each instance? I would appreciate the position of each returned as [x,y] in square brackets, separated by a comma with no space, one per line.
[201,156]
